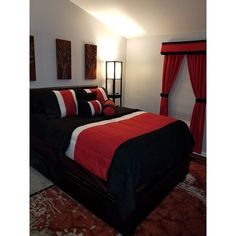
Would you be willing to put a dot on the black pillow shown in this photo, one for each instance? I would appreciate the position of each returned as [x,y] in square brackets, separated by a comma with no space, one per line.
[81,94]
[36,104]
[51,105]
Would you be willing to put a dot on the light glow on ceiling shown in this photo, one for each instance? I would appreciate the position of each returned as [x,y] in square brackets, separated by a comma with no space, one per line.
[116,19]
[120,23]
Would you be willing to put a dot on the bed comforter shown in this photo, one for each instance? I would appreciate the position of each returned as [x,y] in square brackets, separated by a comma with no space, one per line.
[136,162]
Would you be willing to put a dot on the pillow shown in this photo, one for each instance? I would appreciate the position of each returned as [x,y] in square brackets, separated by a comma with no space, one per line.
[101,93]
[89,108]
[81,94]
[109,108]
[50,105]
[60,103]
[36,103]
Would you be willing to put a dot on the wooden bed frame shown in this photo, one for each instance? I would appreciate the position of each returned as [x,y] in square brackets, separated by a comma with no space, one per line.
[73,179]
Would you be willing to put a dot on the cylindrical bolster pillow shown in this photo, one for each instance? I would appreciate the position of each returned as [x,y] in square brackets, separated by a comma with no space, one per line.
[109,108]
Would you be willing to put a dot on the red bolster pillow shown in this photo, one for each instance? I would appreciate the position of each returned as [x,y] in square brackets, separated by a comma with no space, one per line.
[109,108]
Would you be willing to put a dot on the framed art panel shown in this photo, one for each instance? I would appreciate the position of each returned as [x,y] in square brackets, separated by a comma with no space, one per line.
[32,60]
[90,61]
[63,50]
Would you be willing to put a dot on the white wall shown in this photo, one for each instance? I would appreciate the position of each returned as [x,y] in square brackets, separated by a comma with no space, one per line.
[144,77]
[51,19]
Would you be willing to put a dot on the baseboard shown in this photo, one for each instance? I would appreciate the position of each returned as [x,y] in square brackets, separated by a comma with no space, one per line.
[203,154]
[198,158]
[41,190]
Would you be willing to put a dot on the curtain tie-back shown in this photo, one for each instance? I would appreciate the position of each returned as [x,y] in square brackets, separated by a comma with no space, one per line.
[201,100]
[164,95]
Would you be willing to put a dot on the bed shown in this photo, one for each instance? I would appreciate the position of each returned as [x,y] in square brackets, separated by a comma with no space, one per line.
[121,180]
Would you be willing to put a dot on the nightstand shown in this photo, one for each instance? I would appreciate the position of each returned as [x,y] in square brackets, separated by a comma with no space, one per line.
[114,77]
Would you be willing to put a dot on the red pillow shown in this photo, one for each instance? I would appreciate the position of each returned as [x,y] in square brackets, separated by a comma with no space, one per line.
[67,102]
[109,108]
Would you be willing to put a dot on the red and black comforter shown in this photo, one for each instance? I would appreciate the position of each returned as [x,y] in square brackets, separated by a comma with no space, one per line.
[136,159]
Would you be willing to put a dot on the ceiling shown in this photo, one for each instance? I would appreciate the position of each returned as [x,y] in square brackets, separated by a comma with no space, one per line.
[139,18]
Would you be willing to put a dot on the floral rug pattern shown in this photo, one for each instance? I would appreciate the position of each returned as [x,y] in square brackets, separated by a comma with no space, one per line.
[181,213]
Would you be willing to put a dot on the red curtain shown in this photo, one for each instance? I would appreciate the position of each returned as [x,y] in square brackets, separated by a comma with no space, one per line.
[170,70]
[197,71]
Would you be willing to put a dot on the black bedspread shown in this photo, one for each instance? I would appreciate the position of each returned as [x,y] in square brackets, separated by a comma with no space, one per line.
[146,158]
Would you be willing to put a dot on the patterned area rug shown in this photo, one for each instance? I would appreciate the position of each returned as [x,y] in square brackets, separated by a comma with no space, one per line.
[181,213]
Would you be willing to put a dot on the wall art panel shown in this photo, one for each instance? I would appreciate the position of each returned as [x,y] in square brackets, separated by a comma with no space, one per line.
[90,61]
[32,60]
[63,50]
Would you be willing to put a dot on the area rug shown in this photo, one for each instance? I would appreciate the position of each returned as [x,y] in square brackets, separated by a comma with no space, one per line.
[181,213]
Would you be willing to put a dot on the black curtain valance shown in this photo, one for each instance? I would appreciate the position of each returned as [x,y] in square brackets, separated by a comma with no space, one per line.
[184,47]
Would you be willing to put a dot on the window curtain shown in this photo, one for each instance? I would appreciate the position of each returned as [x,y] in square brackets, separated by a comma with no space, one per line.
[197,72]
[170,70]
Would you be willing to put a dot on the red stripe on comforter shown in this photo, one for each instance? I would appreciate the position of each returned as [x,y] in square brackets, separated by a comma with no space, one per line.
[95,146]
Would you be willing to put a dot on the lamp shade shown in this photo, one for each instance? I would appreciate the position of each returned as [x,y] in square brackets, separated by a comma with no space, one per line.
[113,69]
